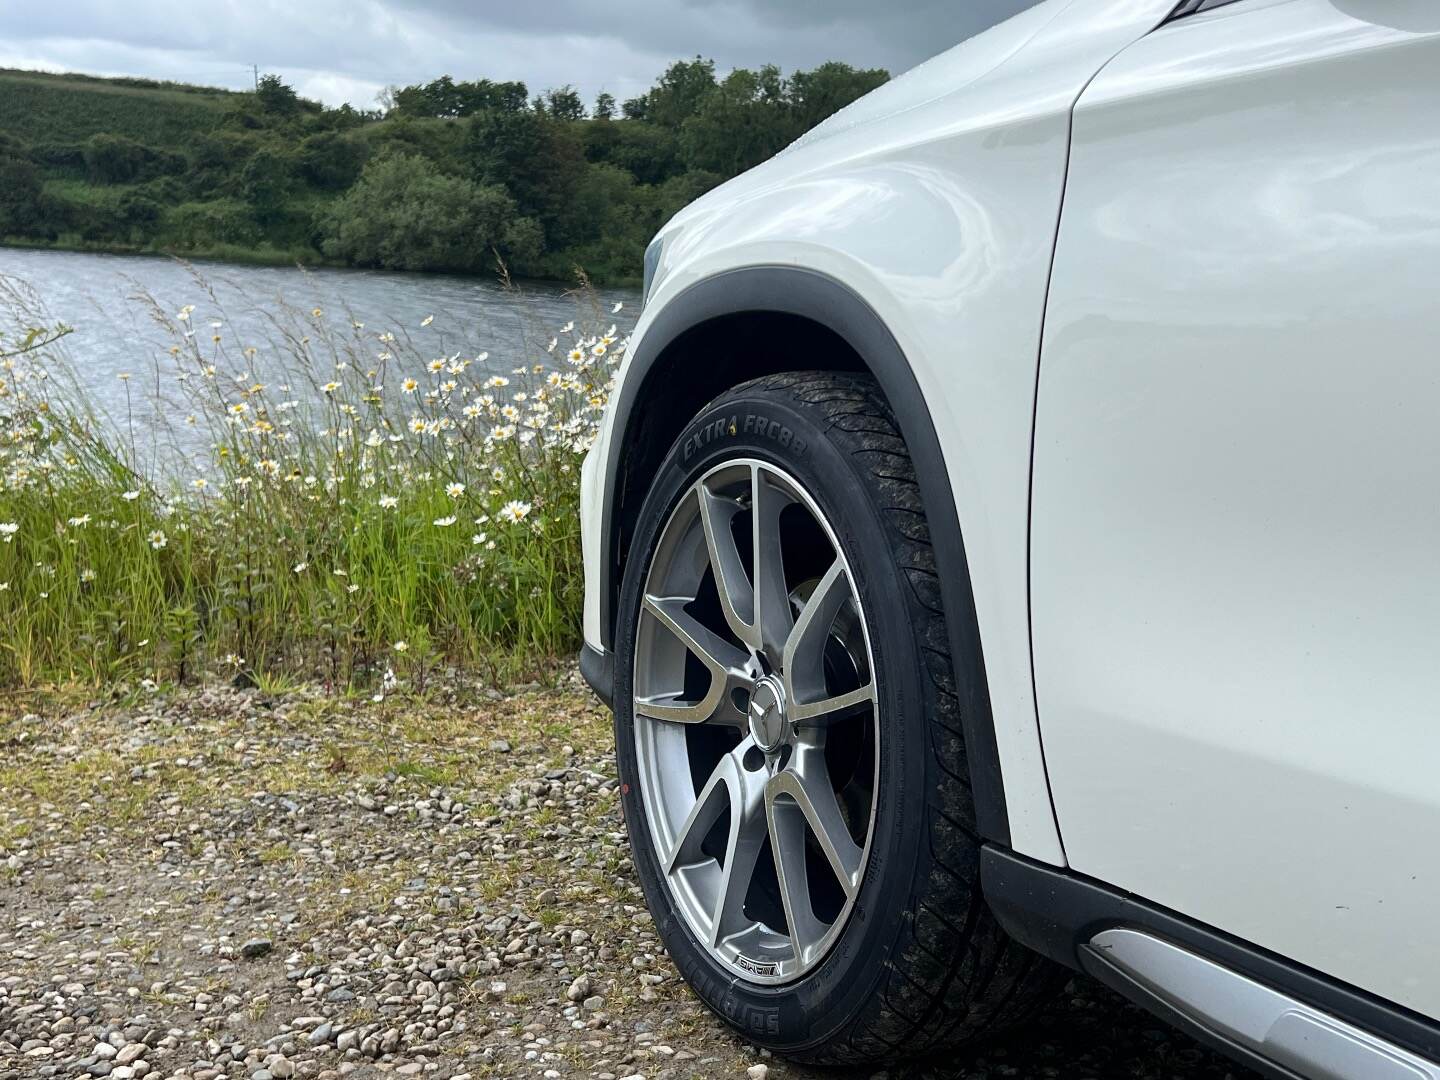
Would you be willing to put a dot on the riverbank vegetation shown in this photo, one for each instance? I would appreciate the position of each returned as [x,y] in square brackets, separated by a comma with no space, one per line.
[336,500]
[442,176]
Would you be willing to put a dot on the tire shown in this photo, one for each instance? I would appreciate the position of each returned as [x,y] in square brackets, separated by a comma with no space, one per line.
[915,964]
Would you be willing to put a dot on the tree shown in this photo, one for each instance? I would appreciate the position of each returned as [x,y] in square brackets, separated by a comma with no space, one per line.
[446,99]
[537,159]
[565,104]
[681,92]
[502,96]
[442,98]
[648,152]
[753,115]
[816,95]
[604,106]
[743,122]
[276,98]
[404,214]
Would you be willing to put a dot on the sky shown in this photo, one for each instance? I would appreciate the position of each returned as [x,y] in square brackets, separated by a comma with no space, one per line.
[339,51]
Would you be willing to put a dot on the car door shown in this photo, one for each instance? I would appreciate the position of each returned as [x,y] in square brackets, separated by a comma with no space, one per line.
[1235,552]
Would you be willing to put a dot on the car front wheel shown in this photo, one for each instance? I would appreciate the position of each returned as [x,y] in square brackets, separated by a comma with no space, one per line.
[793,775]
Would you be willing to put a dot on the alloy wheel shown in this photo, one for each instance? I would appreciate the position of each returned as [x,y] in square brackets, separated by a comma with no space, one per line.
[756,725]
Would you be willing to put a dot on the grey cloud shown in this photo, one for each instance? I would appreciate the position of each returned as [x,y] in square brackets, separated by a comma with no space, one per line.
[348,49]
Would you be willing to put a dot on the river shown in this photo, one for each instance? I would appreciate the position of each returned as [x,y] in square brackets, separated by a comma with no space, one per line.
[115,334]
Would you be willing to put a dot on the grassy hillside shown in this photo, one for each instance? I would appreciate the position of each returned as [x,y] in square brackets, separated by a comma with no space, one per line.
[453,176]
[38,108]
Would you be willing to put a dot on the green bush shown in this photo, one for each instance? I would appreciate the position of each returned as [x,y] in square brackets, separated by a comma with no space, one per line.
[60,159]
[403,214]
[114,159]
[198,226]
[139,211]
[20,197]
[332,160]
[266,183]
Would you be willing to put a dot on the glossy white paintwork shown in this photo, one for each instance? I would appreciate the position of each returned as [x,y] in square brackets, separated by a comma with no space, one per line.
[936,200]
[1236,536]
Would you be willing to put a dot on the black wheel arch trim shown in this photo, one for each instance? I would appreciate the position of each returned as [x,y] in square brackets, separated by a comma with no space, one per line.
[598,669]
[1057,913]
[811,295]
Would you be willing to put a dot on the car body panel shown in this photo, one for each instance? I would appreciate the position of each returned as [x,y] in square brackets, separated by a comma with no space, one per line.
[1236,546]
[968,153]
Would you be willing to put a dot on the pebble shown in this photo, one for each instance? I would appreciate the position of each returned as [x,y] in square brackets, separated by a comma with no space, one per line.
[579,989]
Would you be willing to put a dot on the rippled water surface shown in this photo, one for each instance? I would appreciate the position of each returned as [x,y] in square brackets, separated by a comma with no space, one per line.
[102,297]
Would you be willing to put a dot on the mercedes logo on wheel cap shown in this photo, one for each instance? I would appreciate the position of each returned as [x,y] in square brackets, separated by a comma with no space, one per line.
[767,714]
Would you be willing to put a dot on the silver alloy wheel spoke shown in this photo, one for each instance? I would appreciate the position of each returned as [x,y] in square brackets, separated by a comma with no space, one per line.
[773,614]
[807,784]
[789,667]
[787,842]
[828,710]
[803,663]
[724,789]
[713,801]
[737,597]
[725,663]
[743,845]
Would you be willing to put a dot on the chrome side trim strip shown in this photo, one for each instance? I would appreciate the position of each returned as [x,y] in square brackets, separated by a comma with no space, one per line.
[1278,1028]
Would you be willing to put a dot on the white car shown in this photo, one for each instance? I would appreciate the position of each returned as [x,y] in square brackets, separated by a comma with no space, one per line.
[1014,544]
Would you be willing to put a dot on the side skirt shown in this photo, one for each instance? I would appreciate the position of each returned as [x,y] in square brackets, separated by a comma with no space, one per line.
[1281,1019]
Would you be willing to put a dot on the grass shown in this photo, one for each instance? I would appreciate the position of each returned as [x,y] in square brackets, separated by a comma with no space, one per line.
[358,505]
[44,108]
[261,254]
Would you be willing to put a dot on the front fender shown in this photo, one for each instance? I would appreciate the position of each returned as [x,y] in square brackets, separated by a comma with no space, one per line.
[939,286]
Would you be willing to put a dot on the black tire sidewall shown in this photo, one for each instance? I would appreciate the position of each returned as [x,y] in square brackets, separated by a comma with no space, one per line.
[765,424]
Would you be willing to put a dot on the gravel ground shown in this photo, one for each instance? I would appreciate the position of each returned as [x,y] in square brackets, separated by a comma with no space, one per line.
[227,883]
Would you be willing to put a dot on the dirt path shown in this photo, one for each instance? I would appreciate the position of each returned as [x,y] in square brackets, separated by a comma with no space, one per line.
[235,884]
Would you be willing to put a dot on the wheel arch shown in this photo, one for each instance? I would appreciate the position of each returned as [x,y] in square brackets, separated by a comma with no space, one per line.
[744,323]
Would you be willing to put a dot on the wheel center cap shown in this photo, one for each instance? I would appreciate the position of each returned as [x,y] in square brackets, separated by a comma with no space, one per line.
[767,714]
